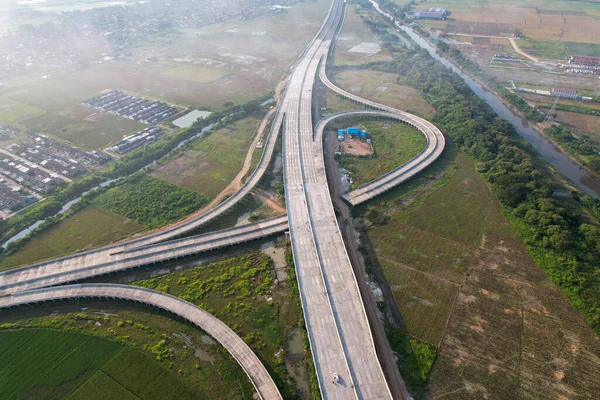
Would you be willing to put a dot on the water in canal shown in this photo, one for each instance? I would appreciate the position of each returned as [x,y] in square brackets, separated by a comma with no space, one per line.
[581,178]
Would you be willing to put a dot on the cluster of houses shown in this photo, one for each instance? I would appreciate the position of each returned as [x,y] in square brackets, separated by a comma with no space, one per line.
[132,107]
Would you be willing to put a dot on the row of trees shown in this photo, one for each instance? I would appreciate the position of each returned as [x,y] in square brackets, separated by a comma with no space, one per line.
[555,233]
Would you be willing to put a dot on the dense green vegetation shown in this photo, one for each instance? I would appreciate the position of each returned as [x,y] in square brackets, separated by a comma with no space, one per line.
[554,232]
[415,359]
[38,363]
[239,291]
[149,201]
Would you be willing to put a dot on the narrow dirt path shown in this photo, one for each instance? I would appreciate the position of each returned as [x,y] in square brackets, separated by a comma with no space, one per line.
[512,41]
[236,183]
[269,200]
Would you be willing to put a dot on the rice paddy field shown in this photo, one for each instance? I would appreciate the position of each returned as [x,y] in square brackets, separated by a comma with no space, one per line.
[463,282]
[84,230]
[39,363]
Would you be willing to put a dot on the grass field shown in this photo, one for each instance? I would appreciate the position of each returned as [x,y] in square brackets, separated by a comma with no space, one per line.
[450,257]
[86,229]
[394,144]
[13,111]
[149,201]
[353,33]
[212,161]
[50,364]
[383,88]
[196,74]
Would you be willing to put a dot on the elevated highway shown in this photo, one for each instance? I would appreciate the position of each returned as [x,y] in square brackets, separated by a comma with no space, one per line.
[435,143]
[250,363]
[337,324]
[78,267]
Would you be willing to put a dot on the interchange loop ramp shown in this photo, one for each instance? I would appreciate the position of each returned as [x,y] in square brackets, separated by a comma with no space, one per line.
[71,269]
[337,324]
[239,350]
[434,148]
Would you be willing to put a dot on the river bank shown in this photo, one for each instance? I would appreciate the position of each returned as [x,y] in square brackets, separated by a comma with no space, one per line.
[553,155]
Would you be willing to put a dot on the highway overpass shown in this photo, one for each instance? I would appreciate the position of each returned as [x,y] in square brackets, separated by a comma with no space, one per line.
[239,350]
[336,321]
[79,267]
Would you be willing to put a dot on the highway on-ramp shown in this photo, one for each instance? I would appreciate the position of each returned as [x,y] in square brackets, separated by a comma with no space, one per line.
[259,376]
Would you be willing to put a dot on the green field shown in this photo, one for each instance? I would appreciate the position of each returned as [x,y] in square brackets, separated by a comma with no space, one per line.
[382,87]
[196,74]
[394,144]
[39,364]
[461,278]
[14,111]
[212,161]
[149,201]
[86,229]
[84,127]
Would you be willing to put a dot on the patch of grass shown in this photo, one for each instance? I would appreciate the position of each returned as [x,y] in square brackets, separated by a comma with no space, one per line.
[47,364]
[84,127]
[394,144]
[196,73]
[86,229]
[383,88]
[100,387]
[126,368]
[15,111]
[149,201]
[457,210]
[211,162]
[418,294]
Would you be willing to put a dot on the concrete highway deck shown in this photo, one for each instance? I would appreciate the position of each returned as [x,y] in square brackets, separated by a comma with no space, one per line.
[74,268]
[336,321]
[435,145]
[240,351]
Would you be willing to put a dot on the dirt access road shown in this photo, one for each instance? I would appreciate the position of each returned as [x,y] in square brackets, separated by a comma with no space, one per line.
[512,41]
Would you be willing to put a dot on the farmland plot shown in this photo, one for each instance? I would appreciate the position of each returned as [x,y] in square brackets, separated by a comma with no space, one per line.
[510,332]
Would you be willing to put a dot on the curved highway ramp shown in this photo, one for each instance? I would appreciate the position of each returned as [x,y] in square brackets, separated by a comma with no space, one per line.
[240,351]
[434,148]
